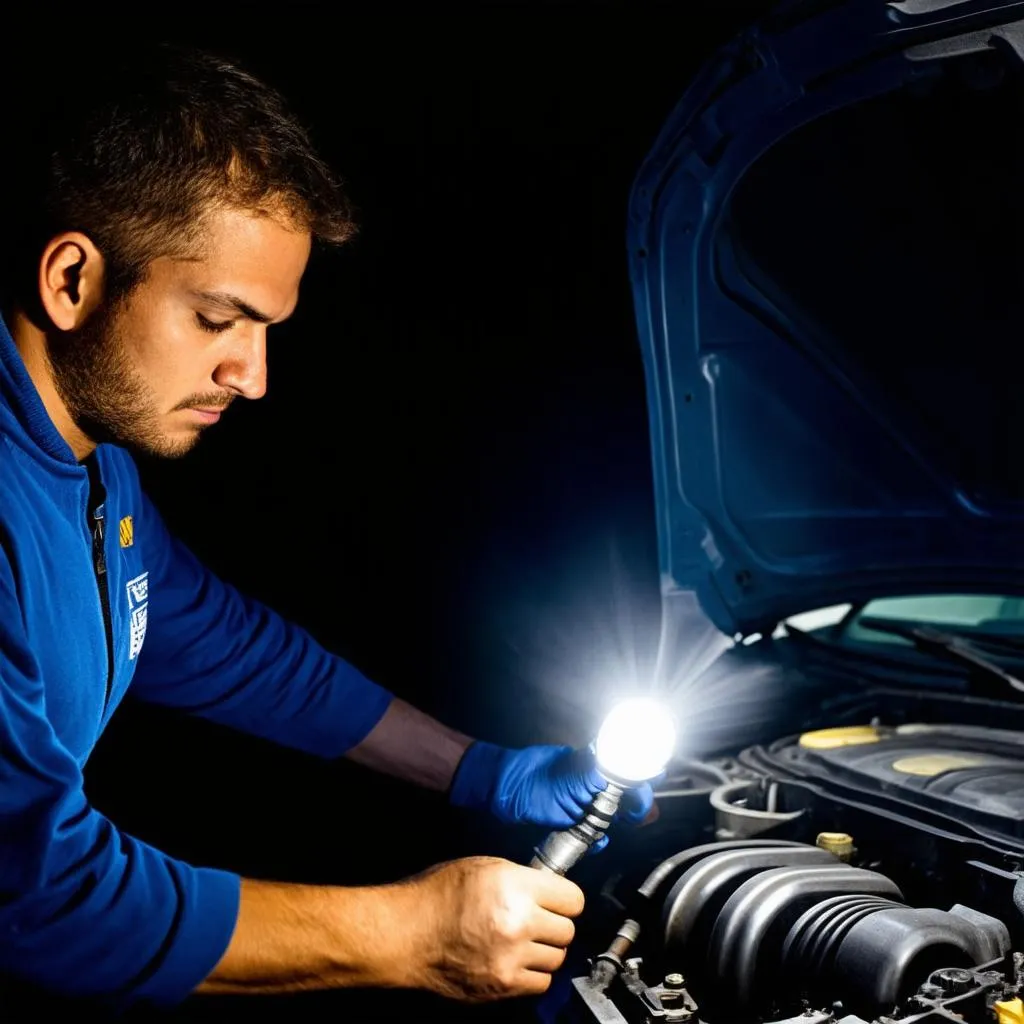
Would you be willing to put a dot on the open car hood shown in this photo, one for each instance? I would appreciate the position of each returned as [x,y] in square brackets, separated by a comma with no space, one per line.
[825,250]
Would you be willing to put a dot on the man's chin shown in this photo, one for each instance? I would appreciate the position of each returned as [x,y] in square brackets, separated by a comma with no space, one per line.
[174,445]
[177,445]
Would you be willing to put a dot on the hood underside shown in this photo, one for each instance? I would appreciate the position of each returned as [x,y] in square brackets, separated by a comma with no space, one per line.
[828,269]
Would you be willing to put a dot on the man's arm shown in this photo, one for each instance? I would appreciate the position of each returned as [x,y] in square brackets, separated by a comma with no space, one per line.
[87,910]
[413,746]
[474,929]
[542,784]
[212,651]
[90,911]
[291,938]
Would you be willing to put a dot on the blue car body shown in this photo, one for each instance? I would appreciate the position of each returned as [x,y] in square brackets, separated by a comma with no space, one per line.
[786,477]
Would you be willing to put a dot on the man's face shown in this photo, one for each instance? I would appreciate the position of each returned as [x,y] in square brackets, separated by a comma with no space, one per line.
[156,369]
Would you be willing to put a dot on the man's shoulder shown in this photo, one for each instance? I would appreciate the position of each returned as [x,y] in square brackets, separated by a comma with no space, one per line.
[11,438]
[23,467]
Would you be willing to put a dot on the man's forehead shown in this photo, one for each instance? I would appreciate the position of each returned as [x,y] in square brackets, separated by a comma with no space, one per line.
[230,228]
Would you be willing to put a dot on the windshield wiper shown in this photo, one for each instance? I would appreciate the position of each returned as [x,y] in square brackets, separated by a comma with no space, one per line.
[949,645]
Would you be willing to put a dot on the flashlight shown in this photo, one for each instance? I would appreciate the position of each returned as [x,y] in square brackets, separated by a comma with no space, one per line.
[633,745]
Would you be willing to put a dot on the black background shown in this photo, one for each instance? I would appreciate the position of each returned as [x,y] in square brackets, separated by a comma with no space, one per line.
[449,480]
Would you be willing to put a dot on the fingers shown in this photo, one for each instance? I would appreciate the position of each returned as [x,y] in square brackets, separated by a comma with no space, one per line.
[552,929]
[557,894]
[532,983]
[581,781]
[652,815]
[636,803]
[540,957]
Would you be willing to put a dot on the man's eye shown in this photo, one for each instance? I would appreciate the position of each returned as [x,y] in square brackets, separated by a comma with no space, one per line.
[214,326]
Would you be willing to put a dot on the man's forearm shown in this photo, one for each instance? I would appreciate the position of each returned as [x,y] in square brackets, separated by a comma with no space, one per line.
[411,745]
[479,928]
[293,938]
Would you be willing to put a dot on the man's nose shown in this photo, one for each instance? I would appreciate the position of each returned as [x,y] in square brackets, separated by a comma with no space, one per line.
[244,370]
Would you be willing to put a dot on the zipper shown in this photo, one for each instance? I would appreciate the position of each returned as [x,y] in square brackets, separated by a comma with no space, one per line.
[97,527]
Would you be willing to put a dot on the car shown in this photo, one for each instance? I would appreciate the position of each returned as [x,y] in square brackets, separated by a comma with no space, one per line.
[825,247]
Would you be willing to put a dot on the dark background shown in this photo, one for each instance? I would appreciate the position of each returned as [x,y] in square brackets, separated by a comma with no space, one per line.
[449,480]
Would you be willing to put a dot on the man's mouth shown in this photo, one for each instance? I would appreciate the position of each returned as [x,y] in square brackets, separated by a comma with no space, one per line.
[208,415]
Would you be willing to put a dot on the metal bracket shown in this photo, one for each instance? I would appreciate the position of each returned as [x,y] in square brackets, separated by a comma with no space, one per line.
[1011,36]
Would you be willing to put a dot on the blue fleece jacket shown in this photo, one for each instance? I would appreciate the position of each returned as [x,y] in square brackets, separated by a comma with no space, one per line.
[96,596]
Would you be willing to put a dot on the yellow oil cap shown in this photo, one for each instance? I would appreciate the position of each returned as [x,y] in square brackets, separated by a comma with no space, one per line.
[1009,1012]
[839,844]
[843,736]
[930,765]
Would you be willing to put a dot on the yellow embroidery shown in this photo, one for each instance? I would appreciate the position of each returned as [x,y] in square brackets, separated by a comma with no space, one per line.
[127,531]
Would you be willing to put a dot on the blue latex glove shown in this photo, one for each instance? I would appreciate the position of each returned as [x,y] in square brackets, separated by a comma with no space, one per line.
[540,785]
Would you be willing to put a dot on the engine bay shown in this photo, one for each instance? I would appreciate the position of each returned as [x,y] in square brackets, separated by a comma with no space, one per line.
[855,874]
[798,237]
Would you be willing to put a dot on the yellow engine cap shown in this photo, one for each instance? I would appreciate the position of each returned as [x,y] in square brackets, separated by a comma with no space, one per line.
[842,736]
[929,765]
[840,844]
[1009,1012]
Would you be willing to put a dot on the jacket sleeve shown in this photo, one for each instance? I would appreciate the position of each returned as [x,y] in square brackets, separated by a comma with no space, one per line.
[212,651]
[85,910]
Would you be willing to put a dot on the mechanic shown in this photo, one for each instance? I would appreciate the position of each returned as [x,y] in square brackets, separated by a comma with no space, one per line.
[163,218]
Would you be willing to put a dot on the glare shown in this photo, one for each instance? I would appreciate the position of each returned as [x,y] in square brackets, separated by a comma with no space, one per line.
[816,618]
[636,740]
[574,651]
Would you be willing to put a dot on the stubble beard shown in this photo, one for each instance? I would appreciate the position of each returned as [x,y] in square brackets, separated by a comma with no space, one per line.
[105,397]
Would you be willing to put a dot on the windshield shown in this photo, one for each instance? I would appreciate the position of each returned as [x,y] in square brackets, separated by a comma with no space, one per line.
[979,615]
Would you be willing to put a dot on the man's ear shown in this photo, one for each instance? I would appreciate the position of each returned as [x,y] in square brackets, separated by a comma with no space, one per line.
[71,272]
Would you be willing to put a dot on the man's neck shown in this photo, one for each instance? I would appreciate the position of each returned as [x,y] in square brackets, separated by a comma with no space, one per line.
[30,342]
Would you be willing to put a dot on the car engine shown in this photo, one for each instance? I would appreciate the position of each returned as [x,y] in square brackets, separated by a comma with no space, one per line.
[850,875]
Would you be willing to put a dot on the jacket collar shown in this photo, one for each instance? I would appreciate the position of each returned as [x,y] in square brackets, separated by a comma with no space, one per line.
[19,393]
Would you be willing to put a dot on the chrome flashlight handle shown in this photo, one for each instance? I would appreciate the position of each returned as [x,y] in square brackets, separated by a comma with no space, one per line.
[562,849]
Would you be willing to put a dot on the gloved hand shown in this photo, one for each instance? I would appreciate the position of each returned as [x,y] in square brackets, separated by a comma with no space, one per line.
[539,785]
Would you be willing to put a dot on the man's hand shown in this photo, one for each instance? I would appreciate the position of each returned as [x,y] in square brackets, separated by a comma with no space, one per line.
[540,785]
[474,929]
[487,929]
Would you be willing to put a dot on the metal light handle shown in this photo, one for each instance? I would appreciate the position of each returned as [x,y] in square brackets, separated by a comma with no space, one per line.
[561,850]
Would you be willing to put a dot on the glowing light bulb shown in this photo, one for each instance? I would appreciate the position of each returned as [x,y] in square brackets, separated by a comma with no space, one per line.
[635,741]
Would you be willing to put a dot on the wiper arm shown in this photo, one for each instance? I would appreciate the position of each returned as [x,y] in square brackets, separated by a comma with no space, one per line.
[949,645]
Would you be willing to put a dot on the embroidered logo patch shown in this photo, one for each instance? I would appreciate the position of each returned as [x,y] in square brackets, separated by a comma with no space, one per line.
[127,531]
[138,610]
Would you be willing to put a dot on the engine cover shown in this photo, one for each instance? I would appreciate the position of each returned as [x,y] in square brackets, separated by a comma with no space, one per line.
[750,920]
[771,930]
[969,773]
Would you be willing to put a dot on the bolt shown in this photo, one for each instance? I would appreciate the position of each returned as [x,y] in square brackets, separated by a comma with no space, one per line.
[954,980]
[674,980]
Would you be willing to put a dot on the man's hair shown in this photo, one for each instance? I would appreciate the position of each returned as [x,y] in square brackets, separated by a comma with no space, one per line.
[135,156]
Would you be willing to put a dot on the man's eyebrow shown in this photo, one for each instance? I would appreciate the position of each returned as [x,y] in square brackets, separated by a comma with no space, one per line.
[229,301]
